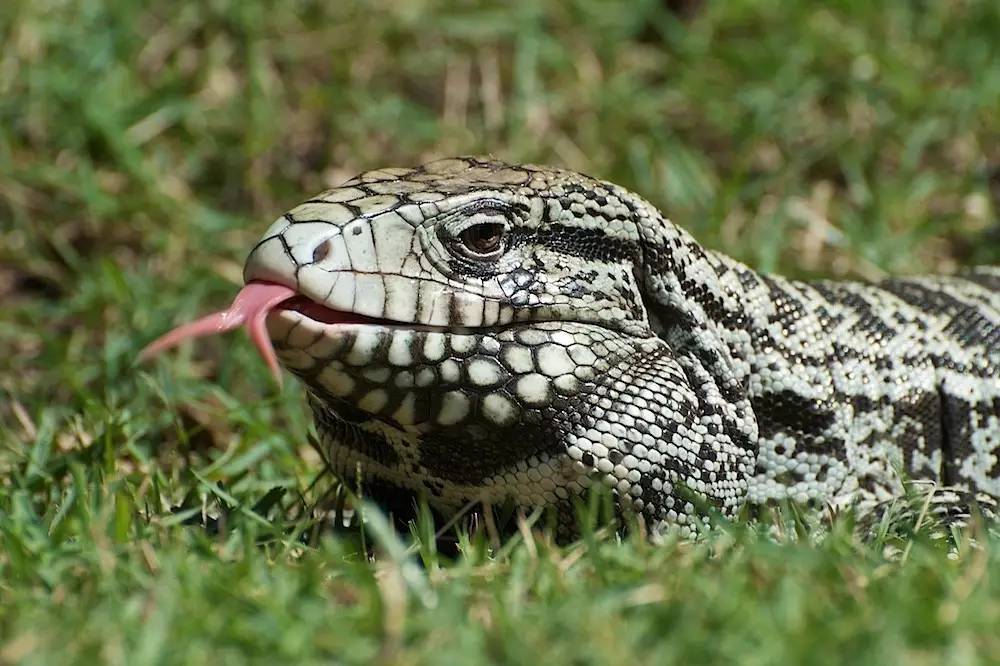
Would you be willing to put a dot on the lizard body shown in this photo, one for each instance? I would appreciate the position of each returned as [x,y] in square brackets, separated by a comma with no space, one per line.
[474,330]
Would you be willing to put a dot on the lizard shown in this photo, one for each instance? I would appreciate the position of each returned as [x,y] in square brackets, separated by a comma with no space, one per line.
[471,330]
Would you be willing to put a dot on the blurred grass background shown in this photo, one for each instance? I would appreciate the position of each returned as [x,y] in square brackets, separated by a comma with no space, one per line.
[143,146]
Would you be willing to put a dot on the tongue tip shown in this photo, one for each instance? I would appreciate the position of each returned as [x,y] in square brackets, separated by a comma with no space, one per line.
[249,309]
[149,351]
[217,322]
[278,378]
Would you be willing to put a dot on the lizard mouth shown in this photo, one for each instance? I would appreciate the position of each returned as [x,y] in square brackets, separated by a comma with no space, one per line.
[249,310]
[319,312]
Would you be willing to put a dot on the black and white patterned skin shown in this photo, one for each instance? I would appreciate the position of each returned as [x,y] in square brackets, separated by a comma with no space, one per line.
[533,331]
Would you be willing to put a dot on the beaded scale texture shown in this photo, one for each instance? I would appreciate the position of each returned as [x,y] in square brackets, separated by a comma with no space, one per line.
[518,333]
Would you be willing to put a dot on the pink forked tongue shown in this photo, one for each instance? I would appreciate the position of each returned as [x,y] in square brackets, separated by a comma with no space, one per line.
[249,309]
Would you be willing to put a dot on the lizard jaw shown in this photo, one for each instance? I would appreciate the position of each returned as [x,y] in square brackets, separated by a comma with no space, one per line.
[250,309]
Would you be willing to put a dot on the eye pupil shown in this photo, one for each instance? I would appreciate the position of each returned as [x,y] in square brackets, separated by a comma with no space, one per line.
[483,238]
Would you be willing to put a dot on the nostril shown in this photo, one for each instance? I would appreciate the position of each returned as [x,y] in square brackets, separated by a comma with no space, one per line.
[321,251]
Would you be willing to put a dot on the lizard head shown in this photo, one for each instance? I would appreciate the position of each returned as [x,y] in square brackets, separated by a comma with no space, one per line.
[470,329]
[446,316]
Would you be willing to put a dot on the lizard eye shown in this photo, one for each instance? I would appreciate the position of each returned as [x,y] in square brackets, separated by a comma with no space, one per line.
[481,232]
[483,240]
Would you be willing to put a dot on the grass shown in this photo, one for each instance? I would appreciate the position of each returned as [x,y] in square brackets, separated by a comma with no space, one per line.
[144,147]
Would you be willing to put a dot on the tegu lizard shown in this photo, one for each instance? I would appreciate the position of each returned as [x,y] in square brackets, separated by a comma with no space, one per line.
[472,330]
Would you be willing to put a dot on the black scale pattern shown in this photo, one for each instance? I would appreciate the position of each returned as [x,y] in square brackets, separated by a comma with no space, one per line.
[604,345]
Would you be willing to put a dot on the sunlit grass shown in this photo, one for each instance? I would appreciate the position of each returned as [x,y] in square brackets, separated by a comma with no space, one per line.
[144,146]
